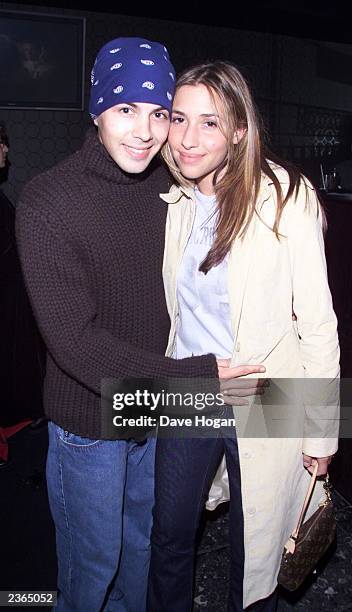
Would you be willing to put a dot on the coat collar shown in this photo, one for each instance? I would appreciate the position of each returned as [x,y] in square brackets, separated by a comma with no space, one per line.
[176,193]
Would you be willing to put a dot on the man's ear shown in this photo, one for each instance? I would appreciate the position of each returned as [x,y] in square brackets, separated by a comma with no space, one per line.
[238,135]
[95,121]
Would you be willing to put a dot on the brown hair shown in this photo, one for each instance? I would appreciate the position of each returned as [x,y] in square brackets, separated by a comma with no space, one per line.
[237,190]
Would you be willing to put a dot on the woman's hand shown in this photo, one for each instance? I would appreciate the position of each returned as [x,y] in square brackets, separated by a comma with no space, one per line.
[235,389]
[323,463]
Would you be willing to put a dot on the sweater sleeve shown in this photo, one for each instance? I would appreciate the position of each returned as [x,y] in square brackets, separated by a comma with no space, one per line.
[64,306]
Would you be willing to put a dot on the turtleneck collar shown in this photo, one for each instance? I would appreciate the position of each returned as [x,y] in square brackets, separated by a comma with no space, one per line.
[98,162]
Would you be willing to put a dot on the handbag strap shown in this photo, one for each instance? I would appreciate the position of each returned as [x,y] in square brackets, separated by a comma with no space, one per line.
[306,501]
[291,542]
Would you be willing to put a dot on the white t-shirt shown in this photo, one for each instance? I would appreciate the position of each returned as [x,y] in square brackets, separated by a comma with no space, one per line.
[204,324]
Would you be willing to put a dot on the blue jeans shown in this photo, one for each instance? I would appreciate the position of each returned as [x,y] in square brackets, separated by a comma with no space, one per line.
[101,495]
[184,471]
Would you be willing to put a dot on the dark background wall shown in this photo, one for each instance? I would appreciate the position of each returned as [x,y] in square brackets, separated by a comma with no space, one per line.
[303,88]
[302,83]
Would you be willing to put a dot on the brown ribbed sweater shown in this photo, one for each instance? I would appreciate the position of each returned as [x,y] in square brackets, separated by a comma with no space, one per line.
[91,242]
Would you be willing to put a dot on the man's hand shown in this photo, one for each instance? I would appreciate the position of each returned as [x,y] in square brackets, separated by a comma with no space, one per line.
[323,463]
[234,388]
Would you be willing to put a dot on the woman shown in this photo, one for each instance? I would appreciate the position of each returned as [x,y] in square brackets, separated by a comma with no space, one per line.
[244,250]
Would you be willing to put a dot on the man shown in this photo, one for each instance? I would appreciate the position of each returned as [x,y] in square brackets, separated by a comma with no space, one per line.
[91,240]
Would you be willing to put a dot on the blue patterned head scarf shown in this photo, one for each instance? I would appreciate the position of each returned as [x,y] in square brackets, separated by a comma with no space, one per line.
[131,70]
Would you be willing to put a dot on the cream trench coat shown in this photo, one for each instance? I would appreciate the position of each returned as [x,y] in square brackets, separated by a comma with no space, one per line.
[268,278]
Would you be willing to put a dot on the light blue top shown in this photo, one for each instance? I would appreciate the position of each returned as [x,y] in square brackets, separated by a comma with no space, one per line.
[204,324]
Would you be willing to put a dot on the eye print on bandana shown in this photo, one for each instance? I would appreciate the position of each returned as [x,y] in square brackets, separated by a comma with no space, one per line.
[148,85]
[172,76]
[118,89]
[96,83]
[100,100]
[115,50]
[115,66]
[145,46]
[147,62]
[169,96]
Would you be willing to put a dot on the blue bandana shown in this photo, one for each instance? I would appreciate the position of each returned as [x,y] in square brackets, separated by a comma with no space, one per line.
[131,70]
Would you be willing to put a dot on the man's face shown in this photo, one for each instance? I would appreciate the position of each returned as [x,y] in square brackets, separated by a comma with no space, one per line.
[133,133]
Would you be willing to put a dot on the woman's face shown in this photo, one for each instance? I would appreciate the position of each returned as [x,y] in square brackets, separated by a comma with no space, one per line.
[196,136]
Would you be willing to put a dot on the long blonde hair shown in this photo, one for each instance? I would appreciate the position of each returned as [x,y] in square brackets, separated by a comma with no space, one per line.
[237,189]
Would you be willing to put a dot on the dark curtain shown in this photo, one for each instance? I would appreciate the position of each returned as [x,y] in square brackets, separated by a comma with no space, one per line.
[22,353]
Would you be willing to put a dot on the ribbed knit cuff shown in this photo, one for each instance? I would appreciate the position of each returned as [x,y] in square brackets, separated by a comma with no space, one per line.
[204,366]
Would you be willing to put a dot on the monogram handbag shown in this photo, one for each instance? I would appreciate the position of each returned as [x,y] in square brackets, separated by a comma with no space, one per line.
[308,542]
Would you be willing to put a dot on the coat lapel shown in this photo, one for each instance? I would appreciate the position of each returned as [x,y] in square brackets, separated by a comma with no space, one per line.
[241,258]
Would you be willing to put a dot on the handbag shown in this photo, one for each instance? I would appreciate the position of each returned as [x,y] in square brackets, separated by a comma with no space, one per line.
[308,542]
